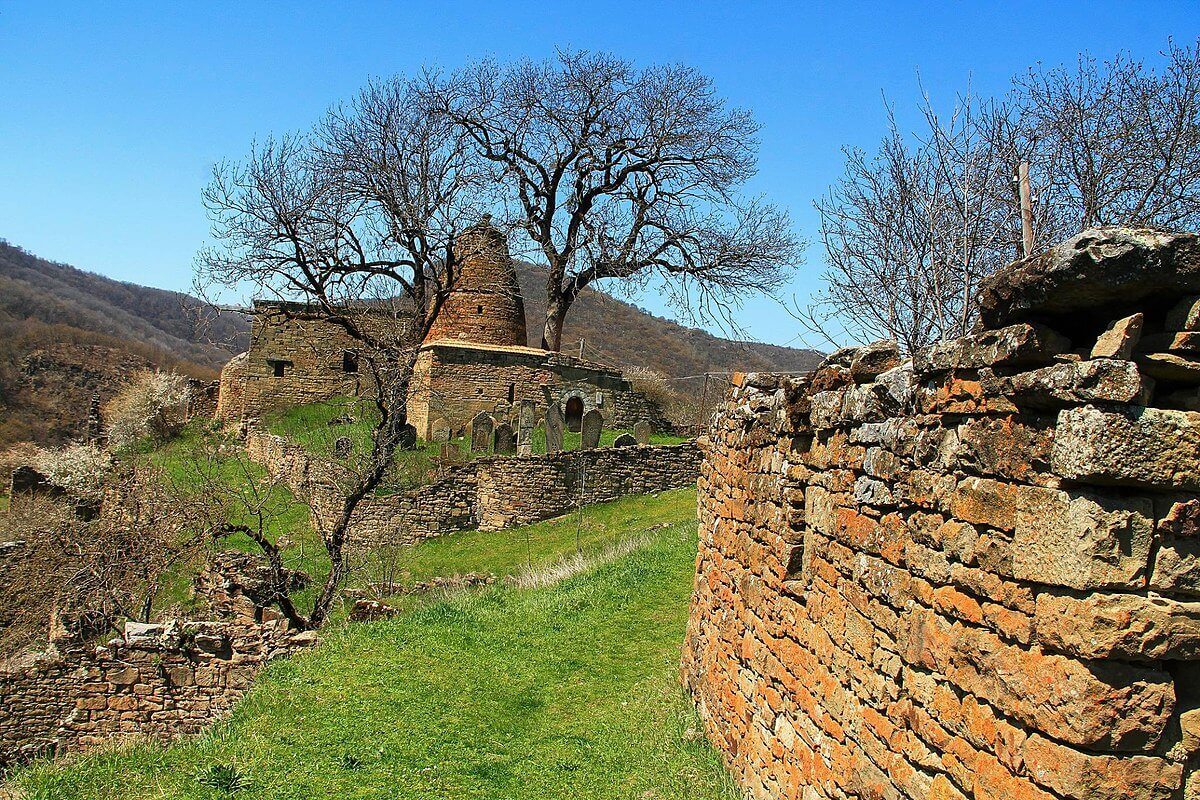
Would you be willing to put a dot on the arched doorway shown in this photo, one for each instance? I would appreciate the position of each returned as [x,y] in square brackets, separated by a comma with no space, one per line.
[574,414]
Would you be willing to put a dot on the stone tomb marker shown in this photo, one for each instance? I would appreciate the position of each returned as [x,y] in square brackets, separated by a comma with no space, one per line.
[641,432]
[440,430]
[526,421]
[554,429]
[482,428]
[342,446]
[625,440]
[593,423]
[504,440]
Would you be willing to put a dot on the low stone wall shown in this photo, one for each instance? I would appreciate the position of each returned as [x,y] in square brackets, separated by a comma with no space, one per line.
[488,493]
[973,574]
[159,680]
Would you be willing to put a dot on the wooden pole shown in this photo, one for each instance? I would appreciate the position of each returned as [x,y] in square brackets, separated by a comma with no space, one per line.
[1026,208]
[703,400]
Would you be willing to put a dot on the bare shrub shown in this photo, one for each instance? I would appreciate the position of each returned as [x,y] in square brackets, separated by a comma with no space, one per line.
[77,469]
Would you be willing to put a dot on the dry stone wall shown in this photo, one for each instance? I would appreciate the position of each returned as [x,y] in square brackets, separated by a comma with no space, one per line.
[157,680]
[972,574]
[487,493]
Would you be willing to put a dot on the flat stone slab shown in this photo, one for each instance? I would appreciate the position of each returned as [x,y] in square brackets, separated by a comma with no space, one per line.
[1147,447]
[1109,266]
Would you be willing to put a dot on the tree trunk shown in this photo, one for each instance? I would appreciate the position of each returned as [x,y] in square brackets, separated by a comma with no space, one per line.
[552,333]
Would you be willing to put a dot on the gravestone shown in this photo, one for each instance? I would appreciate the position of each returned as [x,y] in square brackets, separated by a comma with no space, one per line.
[341,447]
[625,440]
[590,427]
[482,427]
[440,430]
[526,420]
[408,437]
[641,432]
[504,440]
[554,429]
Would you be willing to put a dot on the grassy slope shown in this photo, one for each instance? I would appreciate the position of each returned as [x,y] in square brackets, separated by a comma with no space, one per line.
[565,692]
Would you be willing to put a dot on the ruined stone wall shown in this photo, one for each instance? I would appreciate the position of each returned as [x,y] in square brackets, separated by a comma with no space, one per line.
[488,493]
[971,575]
[456,382]
[517,491]
[316,358]
[231,389]
[157,680]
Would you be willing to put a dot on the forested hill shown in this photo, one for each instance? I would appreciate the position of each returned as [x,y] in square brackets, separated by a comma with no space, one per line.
[67,335]
[622,335]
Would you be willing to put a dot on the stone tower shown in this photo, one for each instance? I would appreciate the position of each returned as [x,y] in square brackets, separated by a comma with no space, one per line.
[485,305]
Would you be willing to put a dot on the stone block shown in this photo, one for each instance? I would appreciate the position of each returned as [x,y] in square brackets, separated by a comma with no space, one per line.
[1150,447]
[1099,268]
[1173,342]
[1103,380]
[1184,315]
[1087,776]
[1017,345]
[1120,338]
[1122,626]
[873,359]
[1171,367]
[1078,540]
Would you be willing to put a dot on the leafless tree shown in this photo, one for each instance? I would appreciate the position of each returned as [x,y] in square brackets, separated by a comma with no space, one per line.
[616,172]
[910,230]
[359,218]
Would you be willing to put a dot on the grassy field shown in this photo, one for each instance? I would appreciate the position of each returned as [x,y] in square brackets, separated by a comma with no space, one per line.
[568,691]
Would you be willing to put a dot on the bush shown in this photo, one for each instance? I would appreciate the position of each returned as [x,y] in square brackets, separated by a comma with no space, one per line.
[151,406]
[78,469]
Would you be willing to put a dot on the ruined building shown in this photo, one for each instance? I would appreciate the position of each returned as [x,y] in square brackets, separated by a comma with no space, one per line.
[475,358]
[973,573]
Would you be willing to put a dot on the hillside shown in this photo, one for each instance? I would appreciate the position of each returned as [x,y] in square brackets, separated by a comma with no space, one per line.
[623,335]
[570,690]
[67,335]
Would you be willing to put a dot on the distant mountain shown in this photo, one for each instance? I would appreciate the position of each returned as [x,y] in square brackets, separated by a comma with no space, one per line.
[67,335]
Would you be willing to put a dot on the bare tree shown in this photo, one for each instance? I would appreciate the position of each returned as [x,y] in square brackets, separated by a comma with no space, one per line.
[359,218]
[910,230]
[615,172]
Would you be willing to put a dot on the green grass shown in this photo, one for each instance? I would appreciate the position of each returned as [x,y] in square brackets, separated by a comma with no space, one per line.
[564,692]
[231,475]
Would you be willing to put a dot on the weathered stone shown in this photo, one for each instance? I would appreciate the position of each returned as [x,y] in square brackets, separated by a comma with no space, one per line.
[1123,626]
[872,360]
[1184,315]
[1103,380]
[1077,540]
[526,421]
[1119,338]
[504,440]
[1148,447]
[1170,367]
[144,634]
[593,423]
[342,447]
[440,430]
[625,440]
[1100,267]
[641,432]
[1008,447]
[1016,345]
[1087,776]
[482,428]
[554,428]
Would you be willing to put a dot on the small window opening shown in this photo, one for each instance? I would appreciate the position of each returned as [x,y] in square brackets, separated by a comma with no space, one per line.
[512,393]
[478,309]
[349,361]
[278,367]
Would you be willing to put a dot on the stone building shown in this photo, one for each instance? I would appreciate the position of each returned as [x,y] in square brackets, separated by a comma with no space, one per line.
[475,358]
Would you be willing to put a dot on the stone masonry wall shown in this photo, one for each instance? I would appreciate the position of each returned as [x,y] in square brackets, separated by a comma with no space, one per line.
[157,680]
[489,493]
[972,574]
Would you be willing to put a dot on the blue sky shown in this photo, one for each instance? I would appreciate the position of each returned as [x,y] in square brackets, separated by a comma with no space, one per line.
[111,114]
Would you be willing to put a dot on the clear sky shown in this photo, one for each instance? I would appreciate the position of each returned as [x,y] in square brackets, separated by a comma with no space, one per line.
[111,114]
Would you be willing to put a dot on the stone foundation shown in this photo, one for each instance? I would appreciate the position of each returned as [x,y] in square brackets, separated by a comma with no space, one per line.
[970,575]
